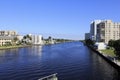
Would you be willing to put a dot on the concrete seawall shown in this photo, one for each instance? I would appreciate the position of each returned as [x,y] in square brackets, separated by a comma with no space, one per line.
[105,58]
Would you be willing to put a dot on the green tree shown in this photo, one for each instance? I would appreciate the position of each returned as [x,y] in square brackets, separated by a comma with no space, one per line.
[111,43]
[24,37]
[49,38]
[8,43]
[89,42]
[117,47]
[27,39]
[15,39]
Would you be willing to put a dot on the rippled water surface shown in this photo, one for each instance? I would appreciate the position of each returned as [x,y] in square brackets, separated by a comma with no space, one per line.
[72,61]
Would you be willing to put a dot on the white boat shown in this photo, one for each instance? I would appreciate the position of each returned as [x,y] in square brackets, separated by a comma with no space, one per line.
[50,77]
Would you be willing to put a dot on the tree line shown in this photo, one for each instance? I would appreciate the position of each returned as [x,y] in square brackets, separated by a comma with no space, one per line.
[113,44]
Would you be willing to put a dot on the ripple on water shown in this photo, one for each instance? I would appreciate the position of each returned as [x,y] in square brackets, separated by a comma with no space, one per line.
[72,61]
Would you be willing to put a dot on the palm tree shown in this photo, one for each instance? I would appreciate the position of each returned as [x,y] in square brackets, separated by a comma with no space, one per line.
[49,38]
[14,41]
[27,39]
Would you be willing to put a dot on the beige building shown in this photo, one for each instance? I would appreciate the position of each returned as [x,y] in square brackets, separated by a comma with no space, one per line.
[5,40]
[6,37]
[8,33]
[108,30]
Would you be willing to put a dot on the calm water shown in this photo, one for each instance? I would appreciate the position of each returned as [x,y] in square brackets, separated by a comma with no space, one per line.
[72,61]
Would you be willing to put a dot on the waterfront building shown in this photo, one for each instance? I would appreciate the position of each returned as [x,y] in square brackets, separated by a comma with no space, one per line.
[6,37]
[4,40]
[87,36]
[8,33]
[108,30]
[100,45]
[37,39]
[93,29]
[20,37]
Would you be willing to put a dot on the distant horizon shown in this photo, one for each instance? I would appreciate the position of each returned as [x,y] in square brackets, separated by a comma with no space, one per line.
[59,36]
[46,35]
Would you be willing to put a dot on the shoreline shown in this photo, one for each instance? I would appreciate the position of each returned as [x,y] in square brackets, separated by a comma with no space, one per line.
[112,63]
[13,47]
[19,46]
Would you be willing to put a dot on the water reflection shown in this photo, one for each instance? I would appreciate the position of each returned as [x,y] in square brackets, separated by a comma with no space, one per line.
[19,53]
[9,54]
[72,61]
[36,51]
[10,51]
[102,69]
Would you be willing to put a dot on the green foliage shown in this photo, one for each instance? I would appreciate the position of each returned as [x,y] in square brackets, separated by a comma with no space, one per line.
[108,52]
[26,40]
[111,43]
[15,39]
[27,37]
[49,38]
[24,37]
[89,42]
[7,44]
[117,47]
[62,40]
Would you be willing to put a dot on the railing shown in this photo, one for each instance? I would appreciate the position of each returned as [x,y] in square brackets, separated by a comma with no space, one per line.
[50,77]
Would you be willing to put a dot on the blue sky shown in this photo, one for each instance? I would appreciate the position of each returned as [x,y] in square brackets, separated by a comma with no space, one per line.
[57,18]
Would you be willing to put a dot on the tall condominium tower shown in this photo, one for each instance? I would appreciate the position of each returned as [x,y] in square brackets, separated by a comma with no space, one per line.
[108,30]
[93,29]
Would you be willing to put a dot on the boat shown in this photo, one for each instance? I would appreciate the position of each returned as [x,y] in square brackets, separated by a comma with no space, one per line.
[49,77]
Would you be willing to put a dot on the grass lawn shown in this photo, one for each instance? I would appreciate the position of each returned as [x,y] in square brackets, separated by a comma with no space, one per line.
[108,52]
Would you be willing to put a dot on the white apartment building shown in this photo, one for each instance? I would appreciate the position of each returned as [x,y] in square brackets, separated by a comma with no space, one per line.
[37,39]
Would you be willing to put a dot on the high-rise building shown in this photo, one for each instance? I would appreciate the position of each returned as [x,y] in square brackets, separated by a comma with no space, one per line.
[87,36]
[93,29]
[36,39]
[108,30]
